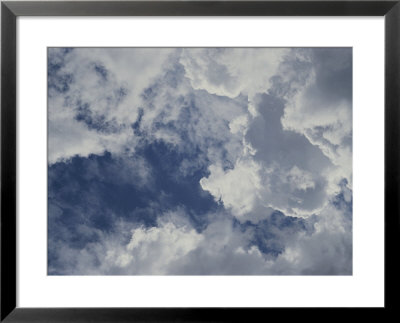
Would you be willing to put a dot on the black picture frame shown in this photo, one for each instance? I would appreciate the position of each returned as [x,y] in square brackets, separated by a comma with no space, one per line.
[10,10]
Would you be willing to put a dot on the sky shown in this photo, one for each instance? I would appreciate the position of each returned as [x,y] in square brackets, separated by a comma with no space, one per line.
[200,161]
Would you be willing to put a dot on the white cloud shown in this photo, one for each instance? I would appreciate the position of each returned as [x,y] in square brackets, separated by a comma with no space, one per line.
[273,169]
[69,137]
[328,251]
[231,71]
[148,251]
[175,248]
[321,110]
[135,70]
[270,144]
[330,129]
[238,187]
[124,70]
[157,247]
[274,166]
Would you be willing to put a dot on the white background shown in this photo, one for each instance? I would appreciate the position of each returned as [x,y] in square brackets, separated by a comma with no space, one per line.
[363,288]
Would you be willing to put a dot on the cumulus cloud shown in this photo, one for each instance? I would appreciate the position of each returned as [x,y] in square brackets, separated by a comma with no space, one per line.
[200,161]
[95,95]
[175,248]
[282,169]
[299,138]
[231,71]
[327,251]
[321,110]
[237,188]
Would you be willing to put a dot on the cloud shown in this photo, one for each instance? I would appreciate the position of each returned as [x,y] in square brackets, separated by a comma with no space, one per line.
[131,249]
[302,149]
[275,169]
[223,248]
[95,96]
[200,161]
[171,248]
[231,71]
[237,188]
[321,110]
[328,251]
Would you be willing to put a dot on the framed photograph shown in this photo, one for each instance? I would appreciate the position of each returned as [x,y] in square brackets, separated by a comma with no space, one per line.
[198,161]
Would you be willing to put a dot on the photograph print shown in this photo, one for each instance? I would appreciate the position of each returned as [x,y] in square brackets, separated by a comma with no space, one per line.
[199,161]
